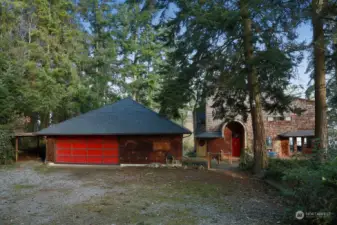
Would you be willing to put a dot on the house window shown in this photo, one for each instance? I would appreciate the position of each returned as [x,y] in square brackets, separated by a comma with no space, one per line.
[202,143]
[279,118]
[161,146]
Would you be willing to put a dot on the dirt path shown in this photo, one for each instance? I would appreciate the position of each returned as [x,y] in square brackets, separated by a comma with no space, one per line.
[34,194]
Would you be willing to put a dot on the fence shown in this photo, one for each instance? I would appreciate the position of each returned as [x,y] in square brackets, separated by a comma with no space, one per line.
[220,156]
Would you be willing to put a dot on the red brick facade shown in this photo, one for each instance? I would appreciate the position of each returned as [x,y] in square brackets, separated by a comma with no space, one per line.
[279,124]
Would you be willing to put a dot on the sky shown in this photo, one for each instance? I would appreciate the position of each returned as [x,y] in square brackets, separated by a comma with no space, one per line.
[305,34]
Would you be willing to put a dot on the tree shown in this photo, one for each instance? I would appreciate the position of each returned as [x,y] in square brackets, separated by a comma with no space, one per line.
[140,51]
[226,45]
[259,146]
[100,64]
[321,130]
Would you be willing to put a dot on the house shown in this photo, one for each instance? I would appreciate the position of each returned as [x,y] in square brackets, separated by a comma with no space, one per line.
[125,132]
[285,134]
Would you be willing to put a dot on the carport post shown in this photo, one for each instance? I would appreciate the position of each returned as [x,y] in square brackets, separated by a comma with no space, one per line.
[208,160]
[16,148]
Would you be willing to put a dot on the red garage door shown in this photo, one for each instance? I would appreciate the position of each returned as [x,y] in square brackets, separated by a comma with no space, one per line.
[87,150]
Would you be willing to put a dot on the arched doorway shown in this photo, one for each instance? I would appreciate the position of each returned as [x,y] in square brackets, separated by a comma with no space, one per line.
[234,135]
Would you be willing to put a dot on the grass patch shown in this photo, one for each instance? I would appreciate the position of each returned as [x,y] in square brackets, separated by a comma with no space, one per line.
[44,169]
[23,186]
[8,167]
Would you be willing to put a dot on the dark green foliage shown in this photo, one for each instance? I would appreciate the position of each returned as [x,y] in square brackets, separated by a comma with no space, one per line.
[207,56]
[6,147]
[314,190]
[311,187]
[277,168]
[191,154]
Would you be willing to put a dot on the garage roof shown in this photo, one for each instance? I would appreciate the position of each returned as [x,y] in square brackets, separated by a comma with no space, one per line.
[125,117]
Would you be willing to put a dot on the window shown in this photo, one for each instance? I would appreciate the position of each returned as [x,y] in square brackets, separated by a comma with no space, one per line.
[161,146]
[202,143]
[278,118]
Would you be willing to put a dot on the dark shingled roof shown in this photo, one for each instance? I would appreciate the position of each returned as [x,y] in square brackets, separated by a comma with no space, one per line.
[298,133]
[125,117]
[209,135]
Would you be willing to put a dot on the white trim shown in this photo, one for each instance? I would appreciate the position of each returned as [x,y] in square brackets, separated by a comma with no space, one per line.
[244,131]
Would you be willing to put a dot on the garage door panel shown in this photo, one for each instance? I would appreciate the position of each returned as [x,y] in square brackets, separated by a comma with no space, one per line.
[79,145]
[95,152]
[87,150]
[80,159]
[110,153]
[95,145]
[110,160]
[63,145]
[95,160]
[110,145]
[63,152]
[64,159]
[79,152]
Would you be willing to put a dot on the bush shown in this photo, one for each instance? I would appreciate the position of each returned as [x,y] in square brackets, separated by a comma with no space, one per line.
[6,147]
[311,185]
[191,154]
[314,190]
[246,159]
[277,168]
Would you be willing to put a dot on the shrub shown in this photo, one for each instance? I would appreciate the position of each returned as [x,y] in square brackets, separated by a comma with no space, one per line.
[246,159]
[277,168]
[6,147]
[191,154]
[314,189]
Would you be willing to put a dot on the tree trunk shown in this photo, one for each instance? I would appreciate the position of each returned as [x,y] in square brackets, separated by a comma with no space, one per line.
[259,148]
[321,128]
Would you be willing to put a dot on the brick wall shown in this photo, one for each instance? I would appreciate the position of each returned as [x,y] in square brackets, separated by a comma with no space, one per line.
[305,121]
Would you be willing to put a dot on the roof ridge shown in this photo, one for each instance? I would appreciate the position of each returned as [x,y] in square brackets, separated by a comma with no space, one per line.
[157,114]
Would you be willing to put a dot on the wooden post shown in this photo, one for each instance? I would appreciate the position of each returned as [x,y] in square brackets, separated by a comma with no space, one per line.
[46,155]
[295,144]
[230,158]
[209,160]
[37,141]
[16,148]
[37,146]
[302,142]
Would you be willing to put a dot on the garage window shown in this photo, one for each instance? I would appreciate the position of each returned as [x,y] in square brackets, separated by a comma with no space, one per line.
[161,146]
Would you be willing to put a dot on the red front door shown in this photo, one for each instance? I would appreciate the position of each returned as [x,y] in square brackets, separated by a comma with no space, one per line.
[236,146]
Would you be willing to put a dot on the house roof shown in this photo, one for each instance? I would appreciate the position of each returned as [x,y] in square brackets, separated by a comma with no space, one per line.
[209,135]
[124,117]
[298,133]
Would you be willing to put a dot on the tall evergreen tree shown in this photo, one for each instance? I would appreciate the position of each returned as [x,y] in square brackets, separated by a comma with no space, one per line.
[139,49]
[228,44]
[319,8]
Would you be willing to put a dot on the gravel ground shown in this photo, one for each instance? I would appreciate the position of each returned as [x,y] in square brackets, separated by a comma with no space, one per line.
[31,193]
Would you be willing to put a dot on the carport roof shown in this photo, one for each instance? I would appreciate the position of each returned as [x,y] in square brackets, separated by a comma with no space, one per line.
[298,133]
[124,117]
[209,135]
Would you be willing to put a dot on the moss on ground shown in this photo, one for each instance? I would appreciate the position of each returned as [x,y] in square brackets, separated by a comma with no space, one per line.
[23,186]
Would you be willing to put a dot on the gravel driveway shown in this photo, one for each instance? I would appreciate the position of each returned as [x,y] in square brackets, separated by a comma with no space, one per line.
[31,193]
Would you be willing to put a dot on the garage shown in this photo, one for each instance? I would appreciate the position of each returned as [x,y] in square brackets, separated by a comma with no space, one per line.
[87,150]
[125,132]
